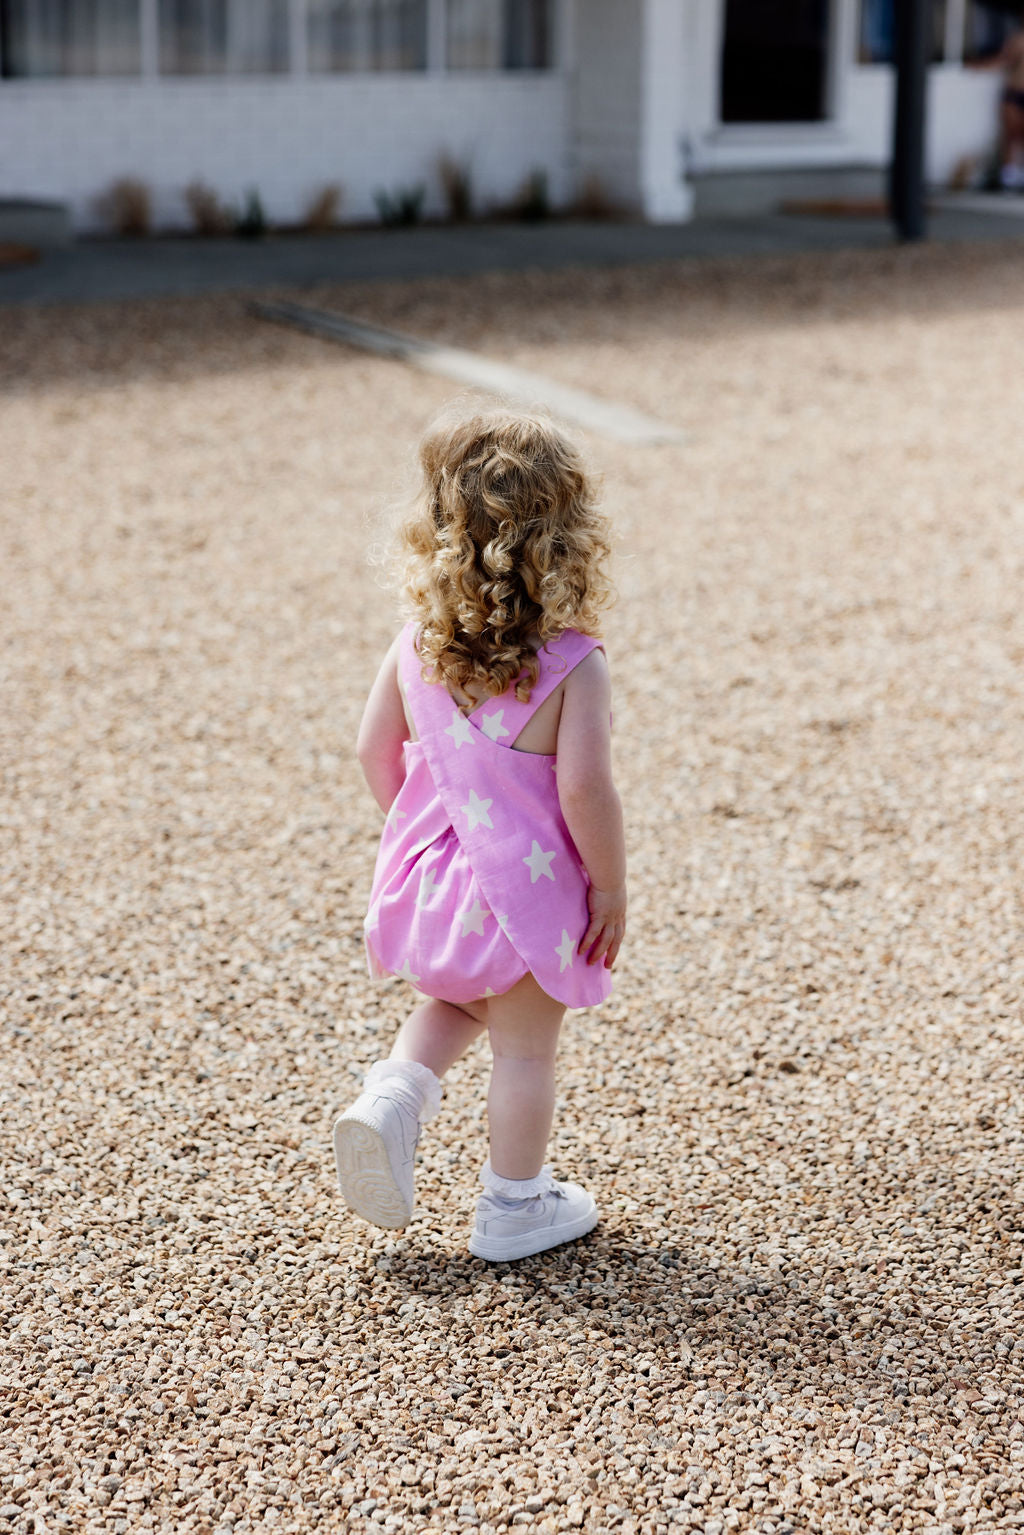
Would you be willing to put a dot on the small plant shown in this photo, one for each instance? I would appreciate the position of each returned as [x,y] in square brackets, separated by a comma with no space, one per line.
[402,208]
[322,212]
[209,215]
[126,206]
[457,186]
[532,203]
[594,201]
[252,223]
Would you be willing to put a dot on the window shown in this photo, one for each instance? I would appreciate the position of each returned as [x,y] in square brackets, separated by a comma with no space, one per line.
[878,31]
[215,37]
[986,29]
[367,34]
[775,61]
[41,38]
[500,34]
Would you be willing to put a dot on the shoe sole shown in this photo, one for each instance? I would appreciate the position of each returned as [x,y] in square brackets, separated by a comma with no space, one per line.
[368,1184]
[506,1249]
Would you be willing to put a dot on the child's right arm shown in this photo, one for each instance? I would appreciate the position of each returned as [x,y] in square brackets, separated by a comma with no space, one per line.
[382,734]
[591,805]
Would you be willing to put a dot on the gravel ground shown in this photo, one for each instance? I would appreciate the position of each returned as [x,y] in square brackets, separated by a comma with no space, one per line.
[800,1112]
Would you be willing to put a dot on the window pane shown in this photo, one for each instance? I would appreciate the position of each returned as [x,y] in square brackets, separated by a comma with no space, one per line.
[212,37]
[528,43]
[986,29]
[474,34]
[500,34]
[193,37]
[367,34]
[878,26]
[257,37]
[71,37]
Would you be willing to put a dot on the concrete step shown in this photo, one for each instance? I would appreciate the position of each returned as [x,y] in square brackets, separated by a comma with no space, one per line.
[746,194]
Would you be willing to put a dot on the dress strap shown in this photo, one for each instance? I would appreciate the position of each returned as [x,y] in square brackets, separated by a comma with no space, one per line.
[557,659]
[500,718]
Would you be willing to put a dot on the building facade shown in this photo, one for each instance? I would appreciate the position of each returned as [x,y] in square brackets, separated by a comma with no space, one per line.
[640,98]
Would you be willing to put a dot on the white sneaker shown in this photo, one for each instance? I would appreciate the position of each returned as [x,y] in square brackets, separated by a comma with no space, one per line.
[375,1141]
[545,1214]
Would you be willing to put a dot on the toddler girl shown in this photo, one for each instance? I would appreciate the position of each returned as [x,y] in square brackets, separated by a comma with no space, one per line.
[499,890]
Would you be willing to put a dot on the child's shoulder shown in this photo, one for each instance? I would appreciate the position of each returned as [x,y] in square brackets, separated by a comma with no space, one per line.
[589,676]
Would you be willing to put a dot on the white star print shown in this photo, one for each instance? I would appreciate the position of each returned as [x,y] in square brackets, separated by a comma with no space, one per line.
[405,974]
[460,730]
[393,817]
[476,811]
[473,921]
[490,993]
[539,863]
[491,725]
[501,920]
[428,886]
[565,950]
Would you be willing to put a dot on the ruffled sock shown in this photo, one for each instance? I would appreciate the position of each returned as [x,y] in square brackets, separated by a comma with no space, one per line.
[516,1189]
[413,1081]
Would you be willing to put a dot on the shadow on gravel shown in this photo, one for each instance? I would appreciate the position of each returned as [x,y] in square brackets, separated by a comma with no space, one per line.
[683,1321]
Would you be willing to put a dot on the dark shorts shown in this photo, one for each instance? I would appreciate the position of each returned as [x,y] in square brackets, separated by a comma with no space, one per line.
[1013,98]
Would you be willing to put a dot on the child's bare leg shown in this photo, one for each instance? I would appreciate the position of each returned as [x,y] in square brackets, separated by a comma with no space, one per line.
[435,1034]
[523,1026]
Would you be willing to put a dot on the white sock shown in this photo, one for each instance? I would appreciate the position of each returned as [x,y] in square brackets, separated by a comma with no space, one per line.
[516,1188]
[412,1074]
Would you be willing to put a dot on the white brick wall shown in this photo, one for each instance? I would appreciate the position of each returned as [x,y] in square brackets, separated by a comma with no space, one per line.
[285,136]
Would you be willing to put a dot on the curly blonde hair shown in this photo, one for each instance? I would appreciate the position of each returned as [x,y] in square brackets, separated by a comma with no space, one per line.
[504,550]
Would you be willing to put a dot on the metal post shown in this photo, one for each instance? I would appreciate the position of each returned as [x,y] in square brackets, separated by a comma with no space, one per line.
[906,186]
[6,62]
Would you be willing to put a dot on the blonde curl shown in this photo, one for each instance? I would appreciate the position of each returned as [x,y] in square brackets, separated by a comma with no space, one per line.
[503,552]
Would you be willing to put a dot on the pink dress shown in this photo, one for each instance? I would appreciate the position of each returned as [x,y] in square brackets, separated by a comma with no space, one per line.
[478,880]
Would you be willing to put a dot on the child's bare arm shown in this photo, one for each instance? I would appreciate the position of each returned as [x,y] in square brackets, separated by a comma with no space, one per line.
[382,734]
[591,805]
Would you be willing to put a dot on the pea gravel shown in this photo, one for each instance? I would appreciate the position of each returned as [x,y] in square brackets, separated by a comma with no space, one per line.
[800,1112]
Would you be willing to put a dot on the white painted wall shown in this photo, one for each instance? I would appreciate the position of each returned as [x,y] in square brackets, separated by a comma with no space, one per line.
[963,106]
[607,108]
[629,103]
[286,136]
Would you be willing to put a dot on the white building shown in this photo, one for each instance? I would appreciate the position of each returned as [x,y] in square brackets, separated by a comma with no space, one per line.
[641,96]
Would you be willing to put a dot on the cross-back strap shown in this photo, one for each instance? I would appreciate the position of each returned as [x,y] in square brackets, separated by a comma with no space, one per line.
[433,707]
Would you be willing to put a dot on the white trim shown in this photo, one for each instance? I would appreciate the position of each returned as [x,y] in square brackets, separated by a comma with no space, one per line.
[298,40]
[847,18]
[956,23]
[149,40]
[437,37]
[666,194]
[563,37]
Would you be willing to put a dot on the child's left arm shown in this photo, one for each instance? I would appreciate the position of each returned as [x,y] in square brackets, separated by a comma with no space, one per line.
[383,733]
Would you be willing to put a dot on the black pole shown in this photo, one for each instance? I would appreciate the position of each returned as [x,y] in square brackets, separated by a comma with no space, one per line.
[906,184]
[6,64]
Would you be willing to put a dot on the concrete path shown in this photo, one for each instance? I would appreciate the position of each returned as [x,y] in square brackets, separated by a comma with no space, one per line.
[108,269]
[619,422]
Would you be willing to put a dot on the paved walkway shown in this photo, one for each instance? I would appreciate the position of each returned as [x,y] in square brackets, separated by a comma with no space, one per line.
[109,269]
